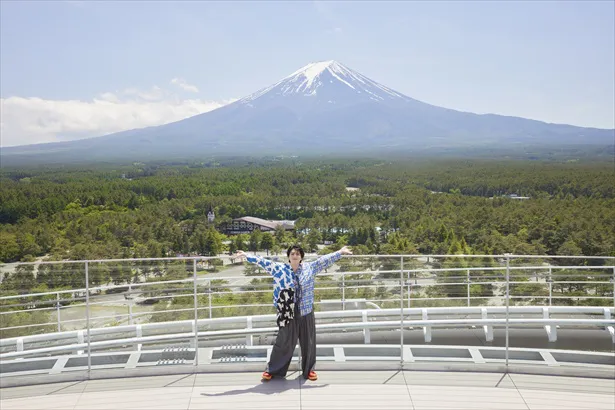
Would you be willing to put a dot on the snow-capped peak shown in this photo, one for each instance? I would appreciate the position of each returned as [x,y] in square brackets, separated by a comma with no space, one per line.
[313,70]
[309,79]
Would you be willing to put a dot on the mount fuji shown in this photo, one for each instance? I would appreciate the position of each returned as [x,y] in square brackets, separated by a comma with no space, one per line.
[322,108]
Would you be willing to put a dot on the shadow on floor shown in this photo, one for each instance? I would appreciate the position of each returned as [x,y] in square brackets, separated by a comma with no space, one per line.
[273,386]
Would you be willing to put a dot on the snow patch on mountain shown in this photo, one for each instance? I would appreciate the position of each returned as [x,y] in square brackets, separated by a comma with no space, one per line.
[308,80]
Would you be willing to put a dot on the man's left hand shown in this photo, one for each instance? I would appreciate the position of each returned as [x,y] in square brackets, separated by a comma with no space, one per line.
[345,251]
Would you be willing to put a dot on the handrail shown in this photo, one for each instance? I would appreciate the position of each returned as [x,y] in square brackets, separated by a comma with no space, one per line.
[365,324]
[346,274]
[207,258]
[399,288]
[210,278]
[327,326]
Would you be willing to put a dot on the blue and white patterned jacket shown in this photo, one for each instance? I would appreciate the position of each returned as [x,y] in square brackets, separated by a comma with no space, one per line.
[285,278]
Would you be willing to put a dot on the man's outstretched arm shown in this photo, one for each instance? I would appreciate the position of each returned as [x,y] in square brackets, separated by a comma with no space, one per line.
[325,261]
[258,260]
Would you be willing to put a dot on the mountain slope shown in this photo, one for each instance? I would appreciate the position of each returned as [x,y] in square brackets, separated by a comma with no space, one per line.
[321,108]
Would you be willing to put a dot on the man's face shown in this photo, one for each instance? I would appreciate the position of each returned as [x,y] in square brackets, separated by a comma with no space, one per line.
[295,255]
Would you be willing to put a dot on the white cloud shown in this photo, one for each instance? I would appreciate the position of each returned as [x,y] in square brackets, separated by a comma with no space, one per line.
[35,120]
[181,83]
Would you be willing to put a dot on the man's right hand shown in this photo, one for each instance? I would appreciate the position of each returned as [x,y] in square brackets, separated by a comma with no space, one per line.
[241,255]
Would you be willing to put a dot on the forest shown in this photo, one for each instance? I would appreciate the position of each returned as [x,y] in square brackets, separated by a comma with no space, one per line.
[429,206]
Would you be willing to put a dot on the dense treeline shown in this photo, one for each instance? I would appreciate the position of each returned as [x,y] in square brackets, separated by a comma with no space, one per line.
[428,207]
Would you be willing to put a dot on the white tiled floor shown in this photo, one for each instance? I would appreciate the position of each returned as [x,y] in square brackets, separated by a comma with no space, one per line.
[334,389]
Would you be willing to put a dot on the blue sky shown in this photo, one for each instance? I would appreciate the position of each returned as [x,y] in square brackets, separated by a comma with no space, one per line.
[74,69]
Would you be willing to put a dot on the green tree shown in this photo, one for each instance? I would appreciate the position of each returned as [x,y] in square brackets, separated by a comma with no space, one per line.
[9,248]
[267,242]
[255,240]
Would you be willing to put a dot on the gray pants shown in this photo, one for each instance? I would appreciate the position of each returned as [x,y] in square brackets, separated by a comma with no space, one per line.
[303,328]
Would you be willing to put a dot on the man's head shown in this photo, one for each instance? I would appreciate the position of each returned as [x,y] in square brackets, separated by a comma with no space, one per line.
[295,252]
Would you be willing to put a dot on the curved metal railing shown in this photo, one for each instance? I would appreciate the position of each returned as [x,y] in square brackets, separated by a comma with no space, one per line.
[367,319]
[364,295]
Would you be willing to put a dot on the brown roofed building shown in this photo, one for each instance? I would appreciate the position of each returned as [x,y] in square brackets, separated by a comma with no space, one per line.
[247,224]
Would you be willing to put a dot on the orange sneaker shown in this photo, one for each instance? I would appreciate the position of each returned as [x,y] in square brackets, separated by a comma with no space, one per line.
[266,376]
[312,376]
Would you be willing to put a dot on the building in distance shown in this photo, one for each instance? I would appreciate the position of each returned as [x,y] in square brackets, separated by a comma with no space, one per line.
[247,224]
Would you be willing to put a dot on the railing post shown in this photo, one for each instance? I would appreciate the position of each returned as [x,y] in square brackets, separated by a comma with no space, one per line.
[58,311]
[343,292]
[209,293]
[196,317]
[468,282]
[87,315]
[130,320]
[507,303]
[401,313]
[550,287]
[614,287]
[409,289]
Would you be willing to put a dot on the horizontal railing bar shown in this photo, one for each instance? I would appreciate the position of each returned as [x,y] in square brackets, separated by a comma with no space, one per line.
[332,314]
[266,287]
[327,326]
[209,279]
[411,256]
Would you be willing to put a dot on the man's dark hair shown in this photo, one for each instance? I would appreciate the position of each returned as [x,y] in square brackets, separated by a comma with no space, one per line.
[297,247]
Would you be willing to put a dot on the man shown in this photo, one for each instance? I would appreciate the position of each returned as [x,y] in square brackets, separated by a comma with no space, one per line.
[293,297]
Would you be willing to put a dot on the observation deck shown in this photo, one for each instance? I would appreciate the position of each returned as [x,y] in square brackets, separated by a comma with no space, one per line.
[393,331]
